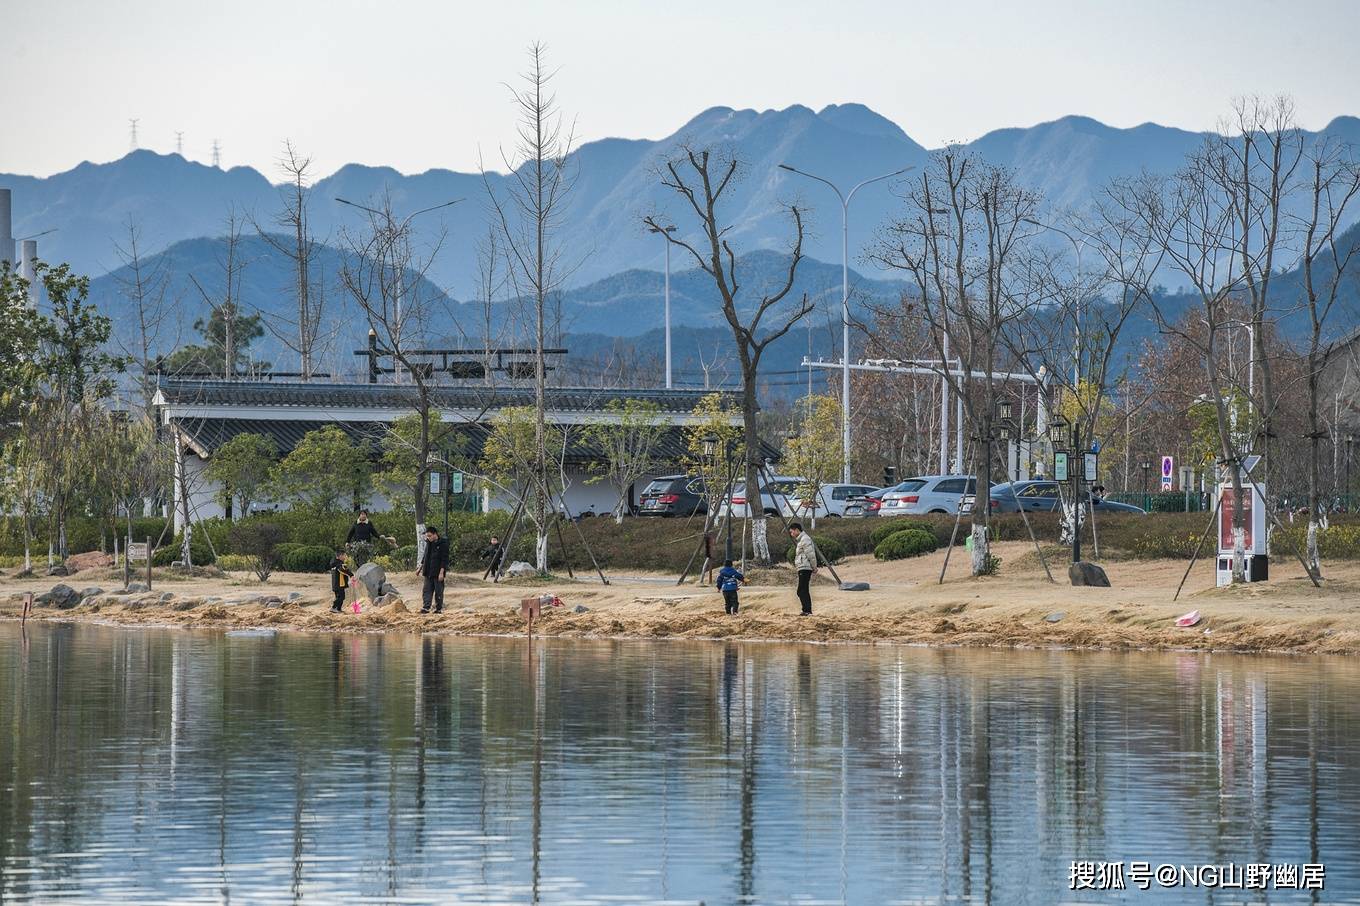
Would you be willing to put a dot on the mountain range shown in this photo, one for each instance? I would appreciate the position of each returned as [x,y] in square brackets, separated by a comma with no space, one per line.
[616,183]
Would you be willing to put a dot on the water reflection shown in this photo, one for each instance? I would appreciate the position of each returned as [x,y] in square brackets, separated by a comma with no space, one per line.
[145,766]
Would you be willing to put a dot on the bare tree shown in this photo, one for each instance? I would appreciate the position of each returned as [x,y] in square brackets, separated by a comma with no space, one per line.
[145,285]
[387,276]
[702,178]
[1333,180]
[528,214]
[1253,163]
[1191,224]
[303,249]
[964,242]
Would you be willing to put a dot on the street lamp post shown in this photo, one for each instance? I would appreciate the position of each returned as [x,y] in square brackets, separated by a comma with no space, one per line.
[845,299]
[1146,466]
[667,243]
[1078,245]
[1058,433]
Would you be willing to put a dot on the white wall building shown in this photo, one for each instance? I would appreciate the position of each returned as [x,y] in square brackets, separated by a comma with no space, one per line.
[204,414]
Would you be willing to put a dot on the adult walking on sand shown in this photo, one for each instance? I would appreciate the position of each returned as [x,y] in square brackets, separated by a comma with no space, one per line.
[805,561]
[432,567]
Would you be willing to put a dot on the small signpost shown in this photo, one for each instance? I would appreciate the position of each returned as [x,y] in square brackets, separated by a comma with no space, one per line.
[530,608]
[1089,466]
[456,482]
[1168,471]
[137,550]
[436,479]
[1060,465]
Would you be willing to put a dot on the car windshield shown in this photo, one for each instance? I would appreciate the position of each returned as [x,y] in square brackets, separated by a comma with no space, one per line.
[1003,490]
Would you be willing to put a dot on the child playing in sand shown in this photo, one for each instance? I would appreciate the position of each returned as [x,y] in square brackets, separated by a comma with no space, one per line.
[729,580]
[340,576]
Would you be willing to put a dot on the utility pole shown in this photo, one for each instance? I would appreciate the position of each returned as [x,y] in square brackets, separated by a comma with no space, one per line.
[179,143]
[217,154]
[132,124]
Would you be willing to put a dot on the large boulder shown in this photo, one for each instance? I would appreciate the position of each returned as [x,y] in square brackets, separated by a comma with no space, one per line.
[88,560]
[1085,573]
[519,570]
[90,591]
[62,596]
[58,570]
[368,581]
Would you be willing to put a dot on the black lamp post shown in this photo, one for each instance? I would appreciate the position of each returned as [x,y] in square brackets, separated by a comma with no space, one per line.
[1147,468]
[1058,433]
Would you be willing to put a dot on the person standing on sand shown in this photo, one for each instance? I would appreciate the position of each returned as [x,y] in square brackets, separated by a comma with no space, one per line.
[433,566]
[340,576]
[365,532]
[493,554]
[805,561]
[729,580]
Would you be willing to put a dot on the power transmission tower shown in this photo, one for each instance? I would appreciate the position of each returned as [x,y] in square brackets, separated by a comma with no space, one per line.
[217,154]
[179,143]
[133,124]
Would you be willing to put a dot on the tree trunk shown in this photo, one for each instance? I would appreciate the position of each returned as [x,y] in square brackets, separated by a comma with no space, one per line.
[755,502]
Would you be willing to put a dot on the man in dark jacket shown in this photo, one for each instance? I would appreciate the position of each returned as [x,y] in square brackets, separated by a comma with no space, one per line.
[432,567]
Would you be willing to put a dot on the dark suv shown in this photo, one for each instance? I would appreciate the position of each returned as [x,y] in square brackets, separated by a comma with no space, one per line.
[673,495]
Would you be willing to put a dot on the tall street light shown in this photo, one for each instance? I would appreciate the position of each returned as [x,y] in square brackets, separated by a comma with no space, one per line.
[845,299]
[394,229]
[667,242]
[1077,244]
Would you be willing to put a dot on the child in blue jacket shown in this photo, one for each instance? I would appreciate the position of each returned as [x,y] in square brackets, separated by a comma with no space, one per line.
[729,580]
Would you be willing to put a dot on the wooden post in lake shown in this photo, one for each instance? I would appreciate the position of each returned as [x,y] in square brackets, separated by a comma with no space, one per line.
[149,553]
[28,608]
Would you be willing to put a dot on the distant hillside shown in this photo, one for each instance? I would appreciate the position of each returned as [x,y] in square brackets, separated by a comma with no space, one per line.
[616,184]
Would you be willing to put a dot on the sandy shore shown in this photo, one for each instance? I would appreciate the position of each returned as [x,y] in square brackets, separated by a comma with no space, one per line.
[906,604]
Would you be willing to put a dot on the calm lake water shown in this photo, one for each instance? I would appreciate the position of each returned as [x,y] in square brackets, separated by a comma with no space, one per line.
[171,766]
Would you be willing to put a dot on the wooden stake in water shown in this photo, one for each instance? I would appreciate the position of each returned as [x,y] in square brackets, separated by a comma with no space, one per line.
[28,608]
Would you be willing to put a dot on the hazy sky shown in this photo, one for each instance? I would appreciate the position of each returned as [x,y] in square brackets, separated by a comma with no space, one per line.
[416,84]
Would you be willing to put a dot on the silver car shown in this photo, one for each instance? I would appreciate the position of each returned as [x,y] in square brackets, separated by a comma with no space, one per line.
[832,500]
[928,494]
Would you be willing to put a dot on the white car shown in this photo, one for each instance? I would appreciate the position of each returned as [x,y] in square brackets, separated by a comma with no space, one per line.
[928,494]
[773,494]
[831,500]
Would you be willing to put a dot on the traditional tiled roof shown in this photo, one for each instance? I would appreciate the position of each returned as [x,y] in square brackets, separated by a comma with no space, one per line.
[205,435]
[319,395]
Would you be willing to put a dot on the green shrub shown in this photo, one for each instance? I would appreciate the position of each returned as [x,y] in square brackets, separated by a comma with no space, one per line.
[886,527]
[307,558]
[198,549]
[404,557]
[831,550]
[235,563]
[907,543]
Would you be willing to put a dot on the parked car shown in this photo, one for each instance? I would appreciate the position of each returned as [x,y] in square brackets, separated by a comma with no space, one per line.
[1039,496]
[831,500]
[928,494]
[866,505]
[772,495]
[673,495]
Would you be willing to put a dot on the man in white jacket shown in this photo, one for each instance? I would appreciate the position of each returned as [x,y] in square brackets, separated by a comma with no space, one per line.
[805,561]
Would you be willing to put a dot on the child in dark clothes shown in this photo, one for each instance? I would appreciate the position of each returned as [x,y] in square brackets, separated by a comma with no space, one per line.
[729,580]
[340,576]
